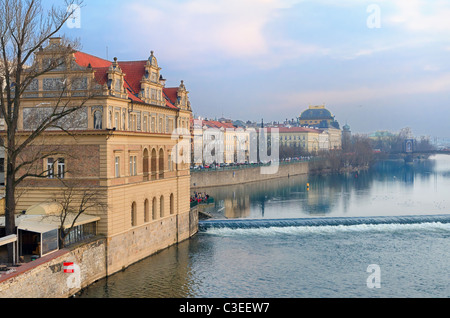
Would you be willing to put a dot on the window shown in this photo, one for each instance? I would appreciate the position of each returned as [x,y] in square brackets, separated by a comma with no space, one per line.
[133,214]
[154,77]
[170,162]
[145,124]
[132,122]
[172,204]
[61,168]
[133,165]
[117,167]
[161,207]
[146,211]
[50,170]
[154,215]
[153,125]
[116,120]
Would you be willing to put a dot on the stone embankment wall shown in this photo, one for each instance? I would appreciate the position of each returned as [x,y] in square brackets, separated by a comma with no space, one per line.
[45,277]
[222,177]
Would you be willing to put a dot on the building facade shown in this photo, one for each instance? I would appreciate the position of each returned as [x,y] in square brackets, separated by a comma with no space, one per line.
[318,116]
[321,118]
[119,142]
[227,143]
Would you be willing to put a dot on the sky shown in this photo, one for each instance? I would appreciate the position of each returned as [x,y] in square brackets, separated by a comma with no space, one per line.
[376,65]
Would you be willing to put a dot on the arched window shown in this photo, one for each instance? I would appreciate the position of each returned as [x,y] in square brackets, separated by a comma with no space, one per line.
[172,204]
[169,162]
[153,165]
[161,206]
[161,164]
[145,164]
[133,214]
[146,211]
[154,215]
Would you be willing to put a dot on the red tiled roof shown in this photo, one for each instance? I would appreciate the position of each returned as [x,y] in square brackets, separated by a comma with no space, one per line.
[84,59]
[171,96]
[295,129]
[217,124]
[133,70]
[100,74]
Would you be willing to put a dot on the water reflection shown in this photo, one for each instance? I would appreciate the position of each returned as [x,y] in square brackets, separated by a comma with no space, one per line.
[390,187]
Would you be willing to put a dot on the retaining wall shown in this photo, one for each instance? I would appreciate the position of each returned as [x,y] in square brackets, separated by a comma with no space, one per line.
[45,277]
[222,177]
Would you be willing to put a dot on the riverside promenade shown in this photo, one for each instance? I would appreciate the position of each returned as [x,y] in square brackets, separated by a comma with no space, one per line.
[241,174]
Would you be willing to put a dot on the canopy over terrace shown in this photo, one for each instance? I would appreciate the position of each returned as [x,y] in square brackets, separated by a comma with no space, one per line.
[38,229]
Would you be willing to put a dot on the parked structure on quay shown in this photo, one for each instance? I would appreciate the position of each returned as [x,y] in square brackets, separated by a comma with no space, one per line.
[119,144]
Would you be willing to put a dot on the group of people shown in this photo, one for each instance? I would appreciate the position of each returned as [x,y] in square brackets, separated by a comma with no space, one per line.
[200,197]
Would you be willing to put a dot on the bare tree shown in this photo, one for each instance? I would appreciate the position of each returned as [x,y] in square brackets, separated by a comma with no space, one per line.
[74,201]
[24,29]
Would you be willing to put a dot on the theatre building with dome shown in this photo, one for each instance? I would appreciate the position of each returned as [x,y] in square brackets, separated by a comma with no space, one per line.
[319,117]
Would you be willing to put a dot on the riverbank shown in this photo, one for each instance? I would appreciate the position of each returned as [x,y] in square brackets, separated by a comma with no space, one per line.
[47,277]
[245,174]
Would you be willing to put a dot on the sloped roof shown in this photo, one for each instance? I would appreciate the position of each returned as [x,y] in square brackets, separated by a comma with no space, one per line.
[217,124]
[171,96]
[84,59]
[296,130]
[321,113]
[134,72]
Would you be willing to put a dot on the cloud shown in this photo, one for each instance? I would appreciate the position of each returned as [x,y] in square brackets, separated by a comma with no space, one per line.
[203,31]
[361,94]
[421,15]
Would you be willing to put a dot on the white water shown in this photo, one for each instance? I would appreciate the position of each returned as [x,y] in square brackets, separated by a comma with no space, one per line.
[330,229]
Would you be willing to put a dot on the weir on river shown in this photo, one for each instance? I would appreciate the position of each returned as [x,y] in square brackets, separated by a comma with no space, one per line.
[322,221]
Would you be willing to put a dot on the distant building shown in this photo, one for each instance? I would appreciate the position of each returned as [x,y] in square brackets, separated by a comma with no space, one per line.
[321,118]
[233,140]
[346,136]
[318,116]
[309,139]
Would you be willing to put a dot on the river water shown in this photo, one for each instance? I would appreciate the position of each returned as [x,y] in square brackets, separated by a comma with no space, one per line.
[363,260]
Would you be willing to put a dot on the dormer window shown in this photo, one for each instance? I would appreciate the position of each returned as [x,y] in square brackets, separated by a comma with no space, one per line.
[118,85]
[154,77]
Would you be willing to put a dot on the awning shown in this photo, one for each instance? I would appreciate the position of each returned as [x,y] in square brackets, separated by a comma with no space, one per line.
[8,239]
[36,227]
[45,223]
[55,220]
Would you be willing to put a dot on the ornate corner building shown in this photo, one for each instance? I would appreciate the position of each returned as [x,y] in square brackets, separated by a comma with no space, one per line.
[119,142]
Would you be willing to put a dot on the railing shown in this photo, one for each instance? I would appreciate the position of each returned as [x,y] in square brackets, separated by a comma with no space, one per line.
[253,165]
[196,203]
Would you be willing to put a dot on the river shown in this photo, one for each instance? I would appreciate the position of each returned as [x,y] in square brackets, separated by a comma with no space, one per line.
[363,260]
